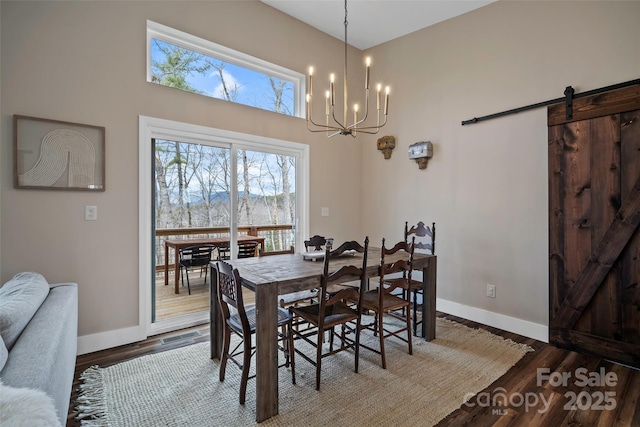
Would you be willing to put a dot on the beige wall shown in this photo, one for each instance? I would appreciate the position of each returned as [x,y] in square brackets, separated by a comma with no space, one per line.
[85,62]
[486,185]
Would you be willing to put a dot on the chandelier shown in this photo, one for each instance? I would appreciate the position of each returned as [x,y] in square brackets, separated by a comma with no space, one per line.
[332,126]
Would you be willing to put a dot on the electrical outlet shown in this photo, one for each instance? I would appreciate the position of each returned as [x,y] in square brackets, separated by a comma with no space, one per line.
[491,291]
[90,213]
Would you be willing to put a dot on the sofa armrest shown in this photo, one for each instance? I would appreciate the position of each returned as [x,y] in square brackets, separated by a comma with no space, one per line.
[44,356]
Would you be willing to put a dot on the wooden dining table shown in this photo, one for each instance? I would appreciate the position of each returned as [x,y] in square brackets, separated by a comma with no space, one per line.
[274,275]
[179,244]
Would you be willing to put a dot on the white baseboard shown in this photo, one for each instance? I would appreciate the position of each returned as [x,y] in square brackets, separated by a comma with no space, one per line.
[109,339]
[496,320]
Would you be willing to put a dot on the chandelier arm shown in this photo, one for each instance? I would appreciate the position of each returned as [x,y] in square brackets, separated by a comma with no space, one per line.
[310,119]
[364,128]
[333,114]
[324,131]
[321,128]
[366,113]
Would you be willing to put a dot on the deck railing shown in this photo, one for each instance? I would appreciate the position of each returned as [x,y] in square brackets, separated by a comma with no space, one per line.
[277,238]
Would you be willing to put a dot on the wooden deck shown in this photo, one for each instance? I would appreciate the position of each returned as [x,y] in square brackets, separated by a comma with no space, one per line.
[169,305]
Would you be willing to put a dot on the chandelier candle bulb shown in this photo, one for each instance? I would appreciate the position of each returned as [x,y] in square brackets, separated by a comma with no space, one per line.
[310,80]
[379,89]
[355,113]
[328,105]
[386,102]
[332,89]
[366,80]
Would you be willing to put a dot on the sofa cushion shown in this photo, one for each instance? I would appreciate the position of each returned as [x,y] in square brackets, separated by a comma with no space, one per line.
[20,298]
[4,354]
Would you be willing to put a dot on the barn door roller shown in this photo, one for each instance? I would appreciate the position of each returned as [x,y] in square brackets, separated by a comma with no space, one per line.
[568,101]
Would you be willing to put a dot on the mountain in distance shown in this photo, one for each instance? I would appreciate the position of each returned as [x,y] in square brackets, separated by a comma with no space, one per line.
[218,196]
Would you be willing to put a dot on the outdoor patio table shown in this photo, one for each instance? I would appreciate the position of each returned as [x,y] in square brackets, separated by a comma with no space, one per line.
[178,244]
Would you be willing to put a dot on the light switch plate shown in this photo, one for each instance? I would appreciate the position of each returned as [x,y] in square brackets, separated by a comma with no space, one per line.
[90,213]
[324,211]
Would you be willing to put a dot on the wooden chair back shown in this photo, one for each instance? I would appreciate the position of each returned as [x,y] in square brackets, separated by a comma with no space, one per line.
[316,243]
[405,266]
[349,246]
[345,273]
[425,236]
[230,294]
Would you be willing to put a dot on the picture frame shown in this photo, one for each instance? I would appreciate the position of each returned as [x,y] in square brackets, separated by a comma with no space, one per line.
[57,155]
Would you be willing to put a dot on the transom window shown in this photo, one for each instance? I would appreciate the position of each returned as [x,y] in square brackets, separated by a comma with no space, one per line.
[183,61]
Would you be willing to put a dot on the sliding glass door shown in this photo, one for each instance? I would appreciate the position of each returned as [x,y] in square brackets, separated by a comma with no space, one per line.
[212,184]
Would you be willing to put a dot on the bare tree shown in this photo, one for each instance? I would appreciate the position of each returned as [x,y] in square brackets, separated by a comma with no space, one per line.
[278,87]
[163,202]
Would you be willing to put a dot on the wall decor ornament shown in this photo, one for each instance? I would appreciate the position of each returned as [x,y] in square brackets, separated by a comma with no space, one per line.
[421,152]
[386,144]
[56,155]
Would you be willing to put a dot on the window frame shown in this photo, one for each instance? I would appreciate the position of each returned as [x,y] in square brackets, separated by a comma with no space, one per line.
[223,53]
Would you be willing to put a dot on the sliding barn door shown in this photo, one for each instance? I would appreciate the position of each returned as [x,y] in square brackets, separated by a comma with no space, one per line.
[594,214]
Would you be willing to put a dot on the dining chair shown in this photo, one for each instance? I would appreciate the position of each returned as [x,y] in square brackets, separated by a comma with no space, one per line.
[383,299]
[195,256]
[224,252]
[248,249]
[425,242]
[333,310]
[315,243]
[242,322]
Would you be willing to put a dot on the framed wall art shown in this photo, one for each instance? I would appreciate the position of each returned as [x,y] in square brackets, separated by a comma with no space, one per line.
[55,155]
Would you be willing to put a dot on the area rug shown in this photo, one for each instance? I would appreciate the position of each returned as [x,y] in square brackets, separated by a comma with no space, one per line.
[180,387]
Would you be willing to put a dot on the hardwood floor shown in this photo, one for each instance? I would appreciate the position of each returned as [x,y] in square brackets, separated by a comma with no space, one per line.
[501,404]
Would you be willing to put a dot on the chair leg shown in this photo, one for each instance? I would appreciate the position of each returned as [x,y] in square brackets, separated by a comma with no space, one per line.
[331,334]
[188,284]
[319,359]
[409,334]
[291,352]
[415,313]
[381,336]
[357,349]
[246,364]
[226,341]
[285,344]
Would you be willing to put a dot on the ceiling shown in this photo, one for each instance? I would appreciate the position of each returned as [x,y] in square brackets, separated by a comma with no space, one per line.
[372,22]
